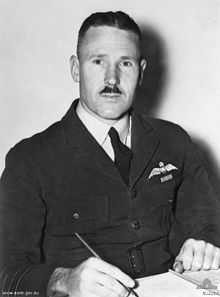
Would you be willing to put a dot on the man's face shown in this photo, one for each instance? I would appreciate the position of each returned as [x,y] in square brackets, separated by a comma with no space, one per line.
[109,69]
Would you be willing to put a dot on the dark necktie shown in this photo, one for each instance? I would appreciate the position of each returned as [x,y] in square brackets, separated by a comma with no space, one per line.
[122,155]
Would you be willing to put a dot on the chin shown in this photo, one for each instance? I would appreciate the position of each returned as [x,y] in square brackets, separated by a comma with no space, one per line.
[113,116]
[113,113]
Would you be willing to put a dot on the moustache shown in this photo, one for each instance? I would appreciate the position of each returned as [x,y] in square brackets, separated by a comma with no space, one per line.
[111,90]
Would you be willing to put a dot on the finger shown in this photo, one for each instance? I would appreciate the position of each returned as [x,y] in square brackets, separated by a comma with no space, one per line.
[99,283]
[199,254]
[178,266]
[110,283]
[87,295]
[111,270]
[208,256]
[102,291]
[91,285]
[216,259]
[186,256]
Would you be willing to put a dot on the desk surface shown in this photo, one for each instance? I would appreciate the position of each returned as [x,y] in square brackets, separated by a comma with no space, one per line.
[170,285]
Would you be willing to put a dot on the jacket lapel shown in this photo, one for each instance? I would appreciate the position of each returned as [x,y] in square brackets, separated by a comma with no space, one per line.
[144,143]
[85,148]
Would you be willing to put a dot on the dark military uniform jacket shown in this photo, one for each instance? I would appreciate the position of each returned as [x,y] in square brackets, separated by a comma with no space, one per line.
[61,181]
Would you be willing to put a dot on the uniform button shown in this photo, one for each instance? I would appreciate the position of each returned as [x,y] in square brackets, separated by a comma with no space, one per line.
[76,215]
[135,225]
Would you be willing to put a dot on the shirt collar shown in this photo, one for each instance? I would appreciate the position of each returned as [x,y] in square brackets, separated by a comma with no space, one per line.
[99,129]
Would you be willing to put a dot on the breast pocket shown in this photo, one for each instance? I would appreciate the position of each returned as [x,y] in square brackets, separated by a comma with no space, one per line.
[163,194]
[158,203]
[162,190]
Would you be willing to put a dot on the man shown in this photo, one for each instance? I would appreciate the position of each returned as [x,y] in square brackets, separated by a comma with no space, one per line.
[133,187]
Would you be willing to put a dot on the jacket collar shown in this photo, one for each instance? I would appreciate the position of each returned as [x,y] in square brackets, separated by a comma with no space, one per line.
[144,143]
[84,146]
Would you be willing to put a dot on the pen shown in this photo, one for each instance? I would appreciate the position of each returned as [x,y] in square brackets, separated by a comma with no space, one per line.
[129,290]
[86,245]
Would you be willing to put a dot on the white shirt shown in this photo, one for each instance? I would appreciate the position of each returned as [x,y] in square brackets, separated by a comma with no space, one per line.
[99,129]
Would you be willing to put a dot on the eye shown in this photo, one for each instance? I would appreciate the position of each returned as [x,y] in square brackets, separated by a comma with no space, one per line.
[97,61]
[126,63]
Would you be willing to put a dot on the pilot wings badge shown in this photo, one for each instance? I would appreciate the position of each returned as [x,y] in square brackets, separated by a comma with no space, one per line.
[163,169]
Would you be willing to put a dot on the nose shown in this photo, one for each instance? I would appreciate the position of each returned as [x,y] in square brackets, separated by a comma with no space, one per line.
[112,75]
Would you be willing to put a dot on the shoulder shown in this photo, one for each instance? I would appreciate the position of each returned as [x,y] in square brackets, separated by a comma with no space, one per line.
[170,134]
[162,127]
[46,148]
[166,128]
[36,146]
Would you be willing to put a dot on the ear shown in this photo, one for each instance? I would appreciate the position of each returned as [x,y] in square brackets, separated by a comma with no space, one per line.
[74,68]
[143,64]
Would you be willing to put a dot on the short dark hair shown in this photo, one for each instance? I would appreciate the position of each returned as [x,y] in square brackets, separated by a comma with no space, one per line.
[118,19]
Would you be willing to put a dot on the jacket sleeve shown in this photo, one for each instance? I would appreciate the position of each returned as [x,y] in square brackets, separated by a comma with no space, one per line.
[22,222]
[197,208]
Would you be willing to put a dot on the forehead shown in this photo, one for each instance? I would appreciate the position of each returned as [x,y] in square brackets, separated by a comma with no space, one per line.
[109,40]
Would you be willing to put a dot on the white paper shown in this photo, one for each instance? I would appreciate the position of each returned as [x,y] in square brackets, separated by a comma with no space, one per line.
[170,285]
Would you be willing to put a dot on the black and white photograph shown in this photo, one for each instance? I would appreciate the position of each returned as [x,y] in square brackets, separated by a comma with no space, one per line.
[110,148]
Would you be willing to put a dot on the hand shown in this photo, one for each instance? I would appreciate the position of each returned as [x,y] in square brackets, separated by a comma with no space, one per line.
[92,278]
[197,255]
